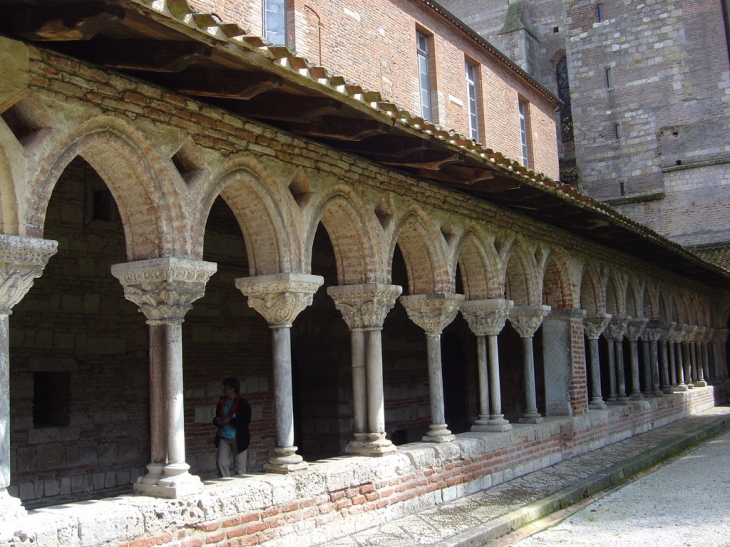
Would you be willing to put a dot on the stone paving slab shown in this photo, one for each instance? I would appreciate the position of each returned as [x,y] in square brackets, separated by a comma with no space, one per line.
[474,520]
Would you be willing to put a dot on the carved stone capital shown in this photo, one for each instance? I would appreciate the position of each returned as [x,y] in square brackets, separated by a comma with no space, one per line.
[22,260]
[365,306]
[688,333]
[616,328]
[635,327]
[699,336]
[721,335]
[595,324]
[164,288]
[486,317]
[527,319]
[432,312]
[709,335]
[668,328]
[279,298]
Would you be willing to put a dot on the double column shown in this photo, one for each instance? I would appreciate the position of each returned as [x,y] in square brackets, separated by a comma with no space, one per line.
[666,357]
[614,333]
[634,329]
[593,326]
[433,313]
[22,260]
[526,320]
[486,319]
[164,289]
[650,337]
[364,308]
[280,298]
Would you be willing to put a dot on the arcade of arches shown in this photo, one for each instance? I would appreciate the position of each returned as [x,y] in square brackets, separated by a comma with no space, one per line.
[362,310]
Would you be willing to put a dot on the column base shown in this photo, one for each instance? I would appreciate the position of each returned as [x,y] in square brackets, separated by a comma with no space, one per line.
[667,389]
[175,481]
[637,396]
[496,424]
[657,393]
[438,433]
[10,508]
[700,383]
[531,418]
[681,387]
[690,386]
[285,460]
[597,404]
[375,444]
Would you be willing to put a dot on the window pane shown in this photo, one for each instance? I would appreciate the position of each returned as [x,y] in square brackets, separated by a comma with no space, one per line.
[523,134]
[275,21]
[471,90]
[424,76]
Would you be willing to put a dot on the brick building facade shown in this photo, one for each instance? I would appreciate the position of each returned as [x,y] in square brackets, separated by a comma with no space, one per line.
[647,89]
[382,287]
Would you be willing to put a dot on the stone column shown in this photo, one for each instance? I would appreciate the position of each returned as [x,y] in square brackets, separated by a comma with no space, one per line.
[22,260]
[614,333]
[364,308]
[706,358]
[164,289]
[645,363]
[677,337]
[486,319]
[633,331]
[433,313]
[594,325]
[651,336]
[526,320]
[687,335]
[697,363]
[280,298]
[667,379]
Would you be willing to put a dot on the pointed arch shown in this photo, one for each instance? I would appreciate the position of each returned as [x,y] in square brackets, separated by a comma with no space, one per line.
[478,264]
[9,206]
[556,286]
[260,206]
[616,295]
[521,280]
[592,291]
[353,233]
[140,182]
[419,241]
[664,303]
[650,304]
[633,300]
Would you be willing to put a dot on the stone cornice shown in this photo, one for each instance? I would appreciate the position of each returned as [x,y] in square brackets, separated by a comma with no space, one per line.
[164,288]
[280,298]
[564,314]
[432,312]
[486,317]
[364,307]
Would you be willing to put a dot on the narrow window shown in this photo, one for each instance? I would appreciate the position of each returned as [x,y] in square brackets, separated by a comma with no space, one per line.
[424,75]
[275,21]
[524,136]
[51,399]
[622,188]
[471,94]
[566,113]
[609,79]
[617,130]
[599,12]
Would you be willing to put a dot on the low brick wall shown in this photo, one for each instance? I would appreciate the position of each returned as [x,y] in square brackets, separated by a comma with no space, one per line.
[339,496]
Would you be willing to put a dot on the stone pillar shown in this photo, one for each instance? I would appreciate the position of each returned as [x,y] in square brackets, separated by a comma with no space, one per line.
[364,308]
[719,352]
[614,335]
[164,289]
[594,325]
[633,331]
[526,320]
[677,337]
[486,319]
[645,363]
[22,260]
[565,372]
[651,336]
[668,373]
[687,334]
[706,356]
[433,313]
[280,298]
[697,343]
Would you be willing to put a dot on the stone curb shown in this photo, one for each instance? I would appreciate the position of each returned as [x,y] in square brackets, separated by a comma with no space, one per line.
[477,536]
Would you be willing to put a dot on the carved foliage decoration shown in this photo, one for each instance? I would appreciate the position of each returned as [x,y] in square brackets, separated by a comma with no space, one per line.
[364,306]
[22,260]
[616,329]
[634,328]
[279,298]
[486,317]
[527,319]
[432,312]
[595,324]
